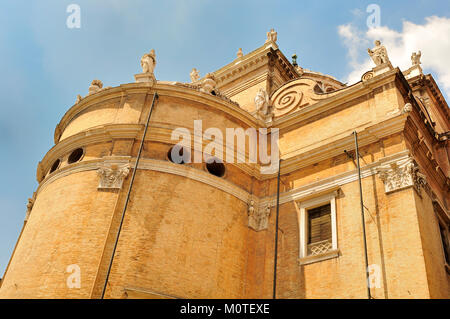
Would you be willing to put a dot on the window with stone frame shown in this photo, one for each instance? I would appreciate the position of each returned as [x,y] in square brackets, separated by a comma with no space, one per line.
[317,227]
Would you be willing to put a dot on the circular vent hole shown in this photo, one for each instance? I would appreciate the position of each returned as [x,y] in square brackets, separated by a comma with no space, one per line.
[55,165]
[75,156]
[178,155]
[215,166]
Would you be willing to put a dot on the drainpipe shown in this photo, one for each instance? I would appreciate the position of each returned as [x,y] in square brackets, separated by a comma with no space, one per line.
[276,234]
[155,96]
[362,215]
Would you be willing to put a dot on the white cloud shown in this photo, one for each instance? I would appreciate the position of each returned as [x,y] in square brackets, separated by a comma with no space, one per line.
[432,38]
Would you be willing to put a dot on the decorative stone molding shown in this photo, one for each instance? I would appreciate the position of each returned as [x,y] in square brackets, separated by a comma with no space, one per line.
[401,175]
[367,76]
[112,175]
[258,217]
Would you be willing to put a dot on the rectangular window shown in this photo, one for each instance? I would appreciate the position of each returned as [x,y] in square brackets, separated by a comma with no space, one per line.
[317,226]
[319,230]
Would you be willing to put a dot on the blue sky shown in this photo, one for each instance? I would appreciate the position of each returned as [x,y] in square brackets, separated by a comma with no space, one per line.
[45,65]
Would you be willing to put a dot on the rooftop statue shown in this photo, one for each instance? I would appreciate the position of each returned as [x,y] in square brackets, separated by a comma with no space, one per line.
[271,36]
[96,86]
[194,75]
[415,58]
[148,62]
[378,53]
[240,54]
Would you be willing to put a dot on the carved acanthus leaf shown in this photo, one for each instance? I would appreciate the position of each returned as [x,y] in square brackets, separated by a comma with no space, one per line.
[258,217]
[400,175]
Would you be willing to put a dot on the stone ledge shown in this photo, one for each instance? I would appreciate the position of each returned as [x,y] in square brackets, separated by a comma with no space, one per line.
[316,258]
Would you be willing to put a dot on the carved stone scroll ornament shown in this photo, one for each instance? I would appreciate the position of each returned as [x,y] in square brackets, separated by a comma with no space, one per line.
[112,175]
[258,218]
[400,175]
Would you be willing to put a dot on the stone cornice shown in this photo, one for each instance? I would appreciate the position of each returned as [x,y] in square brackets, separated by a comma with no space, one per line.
[261,203]
[336,147]
[160,132]
[332,183]
[163,89]
[257,57]
[100,134]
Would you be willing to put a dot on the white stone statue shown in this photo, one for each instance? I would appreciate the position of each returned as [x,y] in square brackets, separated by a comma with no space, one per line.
[96,86]
[271,36]
[415,58]
[79,98]
[194,75]
[148,62]
[378,53]
[240,54]
[208,84]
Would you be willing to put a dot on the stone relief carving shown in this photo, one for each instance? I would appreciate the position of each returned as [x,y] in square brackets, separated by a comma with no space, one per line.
[208,84]
[401,175]
[367,76]
[148,62]
[407,108]
[378,54]
[112,175]
[258,218]
[96,86]
[271,36]
[194,75]
[415,58]
[263,108]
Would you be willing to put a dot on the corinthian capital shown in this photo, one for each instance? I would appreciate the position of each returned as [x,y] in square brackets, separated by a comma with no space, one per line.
[112,175]
[402,174]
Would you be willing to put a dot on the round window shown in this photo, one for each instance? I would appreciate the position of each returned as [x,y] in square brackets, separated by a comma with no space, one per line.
[179,155]
[215,166]
[75,156]
[55,165]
